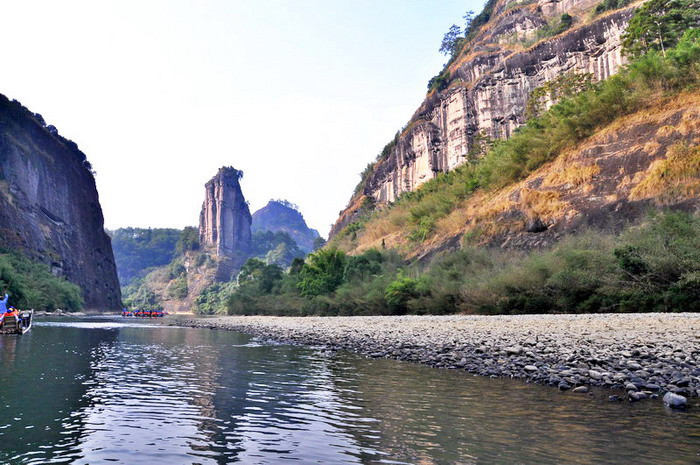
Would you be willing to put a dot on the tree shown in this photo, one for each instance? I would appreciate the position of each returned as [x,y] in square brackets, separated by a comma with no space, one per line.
[468,20]
[251,270]
[189,240]
[362,267]
[322,273]
[659,24]
[319,242]
[451,41]
[399,292]
[270,276]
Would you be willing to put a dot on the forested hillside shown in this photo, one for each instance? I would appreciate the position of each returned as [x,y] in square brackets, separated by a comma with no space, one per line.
[137,249]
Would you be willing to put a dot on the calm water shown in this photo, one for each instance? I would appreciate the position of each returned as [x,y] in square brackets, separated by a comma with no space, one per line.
[102,391]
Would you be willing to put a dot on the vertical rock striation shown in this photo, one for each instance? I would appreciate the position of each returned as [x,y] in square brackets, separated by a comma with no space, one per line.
[224,222]
[489,86]
[49,206]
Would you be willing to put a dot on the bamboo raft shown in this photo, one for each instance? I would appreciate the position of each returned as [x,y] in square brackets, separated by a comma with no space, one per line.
[20,325]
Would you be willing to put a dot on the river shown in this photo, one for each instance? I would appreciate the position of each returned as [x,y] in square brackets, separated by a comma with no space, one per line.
[96,391]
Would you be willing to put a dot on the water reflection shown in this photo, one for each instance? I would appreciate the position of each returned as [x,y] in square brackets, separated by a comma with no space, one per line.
[42,394]
[105,391]
[431,416]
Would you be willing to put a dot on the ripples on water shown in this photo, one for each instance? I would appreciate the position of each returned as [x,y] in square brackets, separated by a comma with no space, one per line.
[97,392]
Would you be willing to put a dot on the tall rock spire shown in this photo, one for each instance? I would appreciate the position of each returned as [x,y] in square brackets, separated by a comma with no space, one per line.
[224,223]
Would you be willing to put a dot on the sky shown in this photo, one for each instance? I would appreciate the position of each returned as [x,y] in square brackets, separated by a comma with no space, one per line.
[300,94]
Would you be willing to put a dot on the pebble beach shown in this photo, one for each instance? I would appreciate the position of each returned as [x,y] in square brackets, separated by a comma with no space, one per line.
[640,356]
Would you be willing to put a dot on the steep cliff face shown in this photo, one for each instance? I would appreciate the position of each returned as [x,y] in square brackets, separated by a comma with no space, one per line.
[49,207]
[281,216]
[643,161]
[489,88]
[224,223]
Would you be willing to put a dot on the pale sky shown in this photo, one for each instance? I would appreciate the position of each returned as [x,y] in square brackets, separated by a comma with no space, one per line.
[300,95]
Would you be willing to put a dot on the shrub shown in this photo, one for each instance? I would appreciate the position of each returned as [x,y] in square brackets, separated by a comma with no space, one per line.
[178,288]
[399,292]
[610,5]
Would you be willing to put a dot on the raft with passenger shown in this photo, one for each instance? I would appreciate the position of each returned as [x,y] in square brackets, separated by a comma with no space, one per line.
[14,321]
[143,313]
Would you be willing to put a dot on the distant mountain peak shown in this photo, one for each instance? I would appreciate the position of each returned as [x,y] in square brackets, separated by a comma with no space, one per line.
[282,215]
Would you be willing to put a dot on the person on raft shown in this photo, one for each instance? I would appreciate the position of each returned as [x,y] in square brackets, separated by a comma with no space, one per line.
[3,303]
[12,311]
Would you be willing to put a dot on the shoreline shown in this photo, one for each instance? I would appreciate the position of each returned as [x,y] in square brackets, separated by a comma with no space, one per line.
[643,354]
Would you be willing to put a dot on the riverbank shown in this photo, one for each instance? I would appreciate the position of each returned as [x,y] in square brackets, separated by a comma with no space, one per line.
[642,354]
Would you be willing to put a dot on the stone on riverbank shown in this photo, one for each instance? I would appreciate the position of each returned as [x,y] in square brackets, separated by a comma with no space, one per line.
[675,400]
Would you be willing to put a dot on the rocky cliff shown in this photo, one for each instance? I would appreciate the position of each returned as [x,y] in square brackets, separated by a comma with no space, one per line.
[224,246]
[281,216]
[488,86]
[224,222]
[644,161]
[49,206]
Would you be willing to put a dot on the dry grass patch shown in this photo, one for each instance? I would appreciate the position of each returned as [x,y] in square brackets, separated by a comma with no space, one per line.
[543,204]
[574,175]
[663,109]
[483,213]
[665,131]
[652,147]
[673,178]
[395,221]
[690,123]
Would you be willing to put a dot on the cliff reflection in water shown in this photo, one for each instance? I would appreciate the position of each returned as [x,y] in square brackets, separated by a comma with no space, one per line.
[44,385]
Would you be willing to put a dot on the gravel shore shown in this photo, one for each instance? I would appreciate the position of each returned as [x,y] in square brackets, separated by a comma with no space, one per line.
[644,355]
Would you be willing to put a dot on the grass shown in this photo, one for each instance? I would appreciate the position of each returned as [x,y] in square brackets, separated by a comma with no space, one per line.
[575,175]
[677,176]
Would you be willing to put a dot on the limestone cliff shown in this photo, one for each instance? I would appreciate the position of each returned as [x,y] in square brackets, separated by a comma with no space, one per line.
[279,215]
[488,88]
[643,161]
[49,206]
[224,222]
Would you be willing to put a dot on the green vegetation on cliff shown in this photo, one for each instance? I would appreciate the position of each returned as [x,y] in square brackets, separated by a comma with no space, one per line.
[32,285]
[658,24]
[653,266]
[137,249]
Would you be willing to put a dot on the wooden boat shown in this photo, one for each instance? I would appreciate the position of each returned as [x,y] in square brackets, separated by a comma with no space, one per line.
[12,325]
